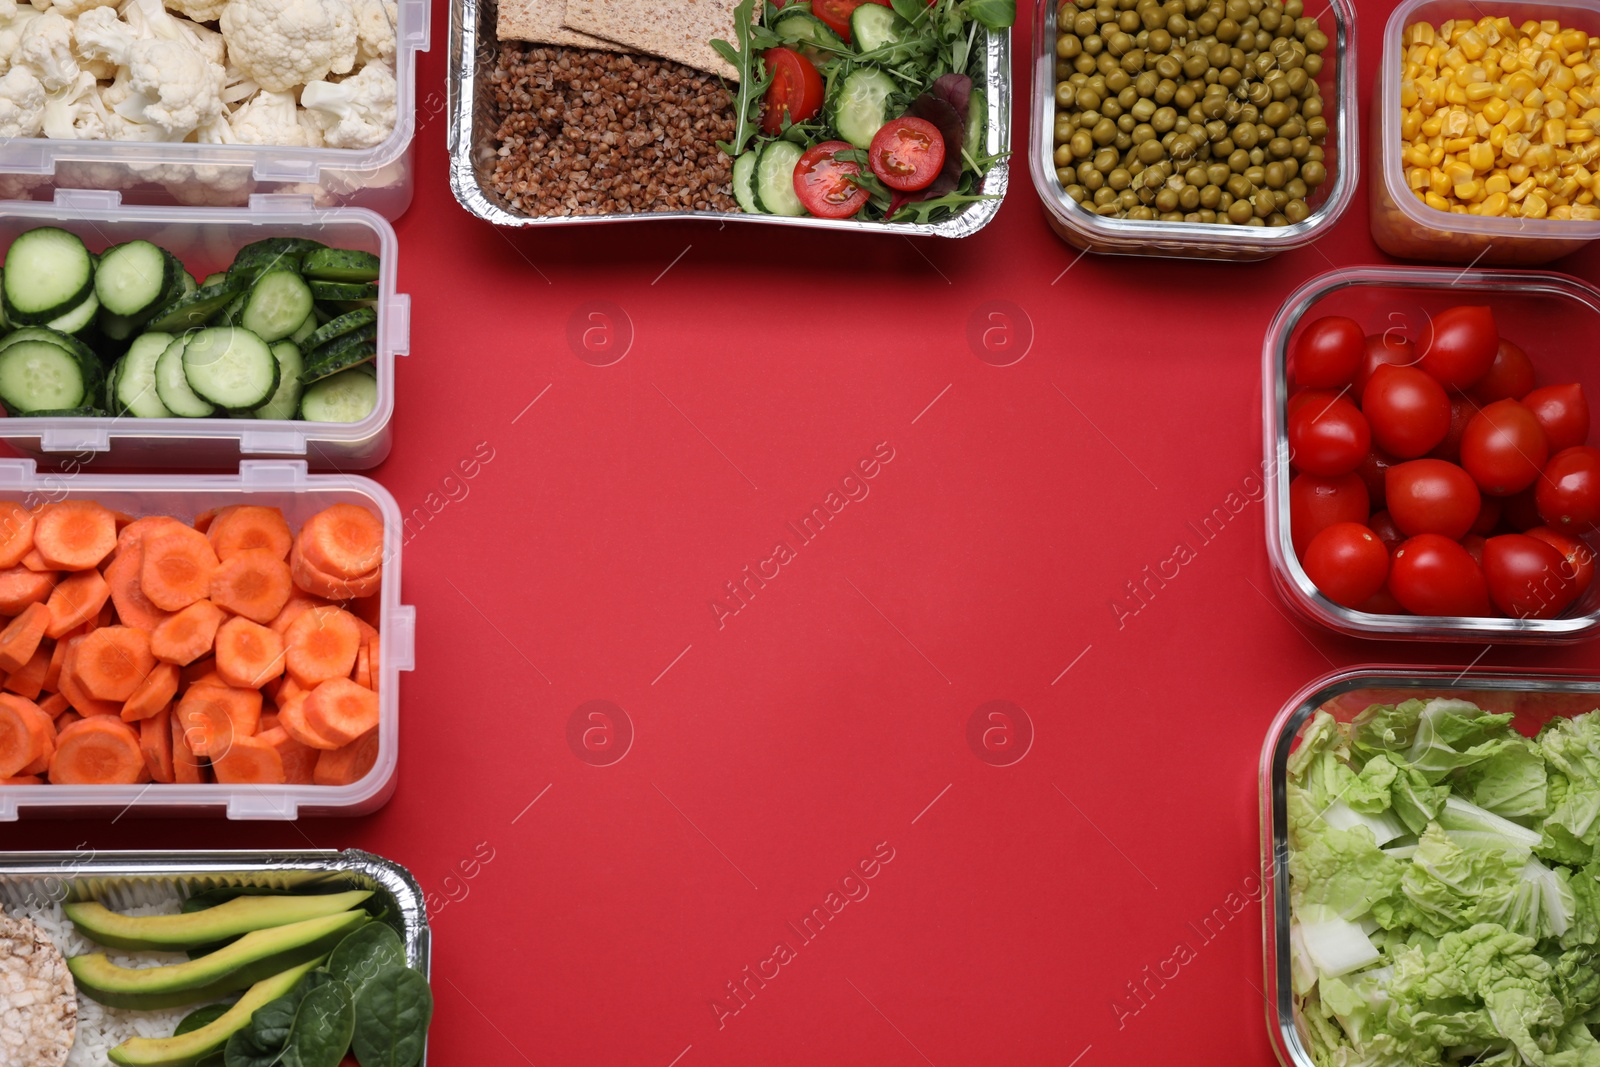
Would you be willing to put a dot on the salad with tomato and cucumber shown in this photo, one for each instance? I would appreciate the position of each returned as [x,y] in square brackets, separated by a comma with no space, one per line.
[861,109]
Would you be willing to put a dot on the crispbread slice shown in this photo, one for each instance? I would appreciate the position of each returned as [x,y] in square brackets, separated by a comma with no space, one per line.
[541,22]
[681,31]
[38,998]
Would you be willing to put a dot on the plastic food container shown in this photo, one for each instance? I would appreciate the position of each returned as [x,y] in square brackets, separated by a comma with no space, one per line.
[205,239]
[299,495]
[164,172]
[473,50]
[1555,316]
[1535,697]
[1403,225]
[1082,228]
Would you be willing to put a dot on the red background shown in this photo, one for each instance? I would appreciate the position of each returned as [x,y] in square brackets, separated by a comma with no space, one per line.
[823,719]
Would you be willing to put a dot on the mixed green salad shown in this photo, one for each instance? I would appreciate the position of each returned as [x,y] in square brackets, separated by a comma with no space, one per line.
[1445,888]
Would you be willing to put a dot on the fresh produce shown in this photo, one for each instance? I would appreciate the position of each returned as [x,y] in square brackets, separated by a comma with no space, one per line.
[1476,481]
[1498,117]
[196,929]
[230,649]
[284,333]
[1207,113]
[1444,890]
[41,1005]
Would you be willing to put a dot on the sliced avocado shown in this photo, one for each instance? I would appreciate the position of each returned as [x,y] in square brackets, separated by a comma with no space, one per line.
[186,1050]
[176,932]
[243,963]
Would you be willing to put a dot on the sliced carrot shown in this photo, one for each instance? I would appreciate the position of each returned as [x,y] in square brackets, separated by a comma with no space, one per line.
[100,750]
[299,761]
[66,719]
[322,644]
[341,711]
[250,528]
[133,533]
[350,764]
[127,595]
[75,601]
[153,694]
[249,761]
[177,566]
[253,583]
[203,521]
[16,533]
[28,682]
[46,723]
[155,742]
[27,779]
[187,768]
[363,627]
[24,737]
[52,673]
[55,705]
[20,587]
[331,586]
[345,540]
[362,675]
[289,690]
[248,654]
[21,638]
[268,723]
[187,635]
[214,716]
[74,535]
[79,697]
[113,661]
[34,562]
[202,673]
[299,603]
[292,718]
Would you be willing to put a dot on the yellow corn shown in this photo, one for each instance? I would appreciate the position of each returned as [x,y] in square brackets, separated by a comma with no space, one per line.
[1494,109]
[1494,204]
[1497,183]
[1481,157]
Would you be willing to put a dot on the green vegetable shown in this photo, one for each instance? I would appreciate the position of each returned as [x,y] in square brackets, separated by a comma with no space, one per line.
[753,76]
[391,1020]
[366,954]
[201,1017]
[322,1027]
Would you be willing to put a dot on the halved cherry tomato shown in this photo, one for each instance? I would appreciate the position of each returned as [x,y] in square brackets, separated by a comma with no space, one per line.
[795,93]
[906,153]
[1408,411]
[1579,556]
[1391,348]
[1328,352]
[1510,376]
[1330,439]
[1432,496]
[1526,577]
[1568,495]
[1317,503]
[1563,414]
[1347,562]
[1503,448]
[823,183]
[836,13]
[1433,575]
[1459,346]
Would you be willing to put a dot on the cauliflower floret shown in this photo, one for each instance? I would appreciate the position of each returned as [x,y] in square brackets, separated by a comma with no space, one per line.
[236,86]
[21,103]
[73,8]
[358,112]
[285,43]
[8,10]
[150,19]
[198,10]
[273,118]
[165,83]
[11,34]
[70,114]
[39,5]
[375,28]
[46,49]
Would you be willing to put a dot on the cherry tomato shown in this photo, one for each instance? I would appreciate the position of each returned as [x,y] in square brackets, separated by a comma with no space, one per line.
[1431,496]
[1576,551]
[1503,448]
[1328,353]
[822,182]
[1382,524]
[1460,345]
[795,93]
[1461,411]
[1408,411]
[1525,576]
[1382,348]
[1384,603]
[1563,414]
[1568,496]
[1510,376]
[1488,516]
[1316,503]
[1374,470]
[1347,562]
[1328,440]
[1474,543]
[836,13]
[1433,575]
[906,153]
[1323,397]
[1519,512]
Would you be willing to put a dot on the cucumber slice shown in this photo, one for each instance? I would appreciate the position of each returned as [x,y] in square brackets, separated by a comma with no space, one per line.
[744,186]
[346,323]
[977,108]
[861,106]
[172,385]
[192,309]
[230,367]
[807,32]
[134,378]
[79,318]
[364,291]
[306,328]
[137,278]
[273,253]
[775,179]
[230,315]
[188,283]
[214,279]
[37,376]
[285,402]
[342,353]
[278,303]
[89,412]
[48,272]
[874,26]
[348,396]
[341,265]
[117,327]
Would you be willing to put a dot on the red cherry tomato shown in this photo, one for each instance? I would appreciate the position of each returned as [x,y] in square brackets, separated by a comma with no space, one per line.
[795,92]
[1431,496]
[1526,577]
[1519,512]
[1433,575]
[1459,346]
[1347,562]
[1510,376]
[836,13]
[1563,414]
[1328,440]
[1382,524]
[1384,348]
[1474,543]
[1568,495]
[1461,411]
[1503,448]
[1384,603]
[822,182]
[906,153]
[1323,398]
[1328,353]
[1488,516]
[1576,551]
[1374,470]
[1316,503]
[1408,411]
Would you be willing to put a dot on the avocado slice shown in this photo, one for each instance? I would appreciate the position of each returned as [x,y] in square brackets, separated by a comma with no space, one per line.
[255,956]
[170,933]
[185,1050]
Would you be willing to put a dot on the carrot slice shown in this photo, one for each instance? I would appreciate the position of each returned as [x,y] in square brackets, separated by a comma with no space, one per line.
[253,583]
[20,587]
[127,595]
[249,528]
[350,764]
[66,719]
[100,750]
[47,724]
[187,768]
[113,661]
[320,583]
[35,562]
[75,601]
[79,697]
[122,519]
[74,535]
[299,761]
[292,718]
[21,638]
[344,540]
[28,681]
[153,694]
[248,654]
[268,723]
[341,711]
[203,521]
[155,743]
[26,779]
[55,705]
[135,532]
[299,603]
[23,735]
[187,635]
[322,644]
[215,716]
[16,533]
[362,675]
[177,566]
[249,761]
[52,673]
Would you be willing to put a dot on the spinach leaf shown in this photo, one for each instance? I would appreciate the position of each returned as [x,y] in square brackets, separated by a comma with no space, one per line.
[392,1015]
[994,14]
[260,1044]
[367,952]
[201,1018]
[216,1059]
[322,1027]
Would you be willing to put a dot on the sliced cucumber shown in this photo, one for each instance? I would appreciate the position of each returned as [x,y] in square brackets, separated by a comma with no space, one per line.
[117,327]
[354,348]
[808,31]
[775,179]
[278,303]
[138,277]
[214,279]
[344,290]
[285,402]
[188,282]
[977,109]
[5,323]
[48,272]
[341,265]
[172,384]
[79,318]
[873,26]
[348,396]
[305,329]
[744,186]
[192,309]
[230,367]
[273,253]
[336,328]
[134,378]
[861,105]
[230,315]
[37,376]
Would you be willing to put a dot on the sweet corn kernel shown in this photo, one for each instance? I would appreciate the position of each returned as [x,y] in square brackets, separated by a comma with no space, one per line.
[1494,204]
[1555,133]
[1495,109]
[1535,207]
[1481,157]
[1586,212]
[1521,191]
[1434,200]
[1472,44]
[1457,145]
[1497,183]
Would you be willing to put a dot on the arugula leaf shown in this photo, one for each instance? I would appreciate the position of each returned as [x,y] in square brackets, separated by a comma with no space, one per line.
[753,75]
[923,210]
